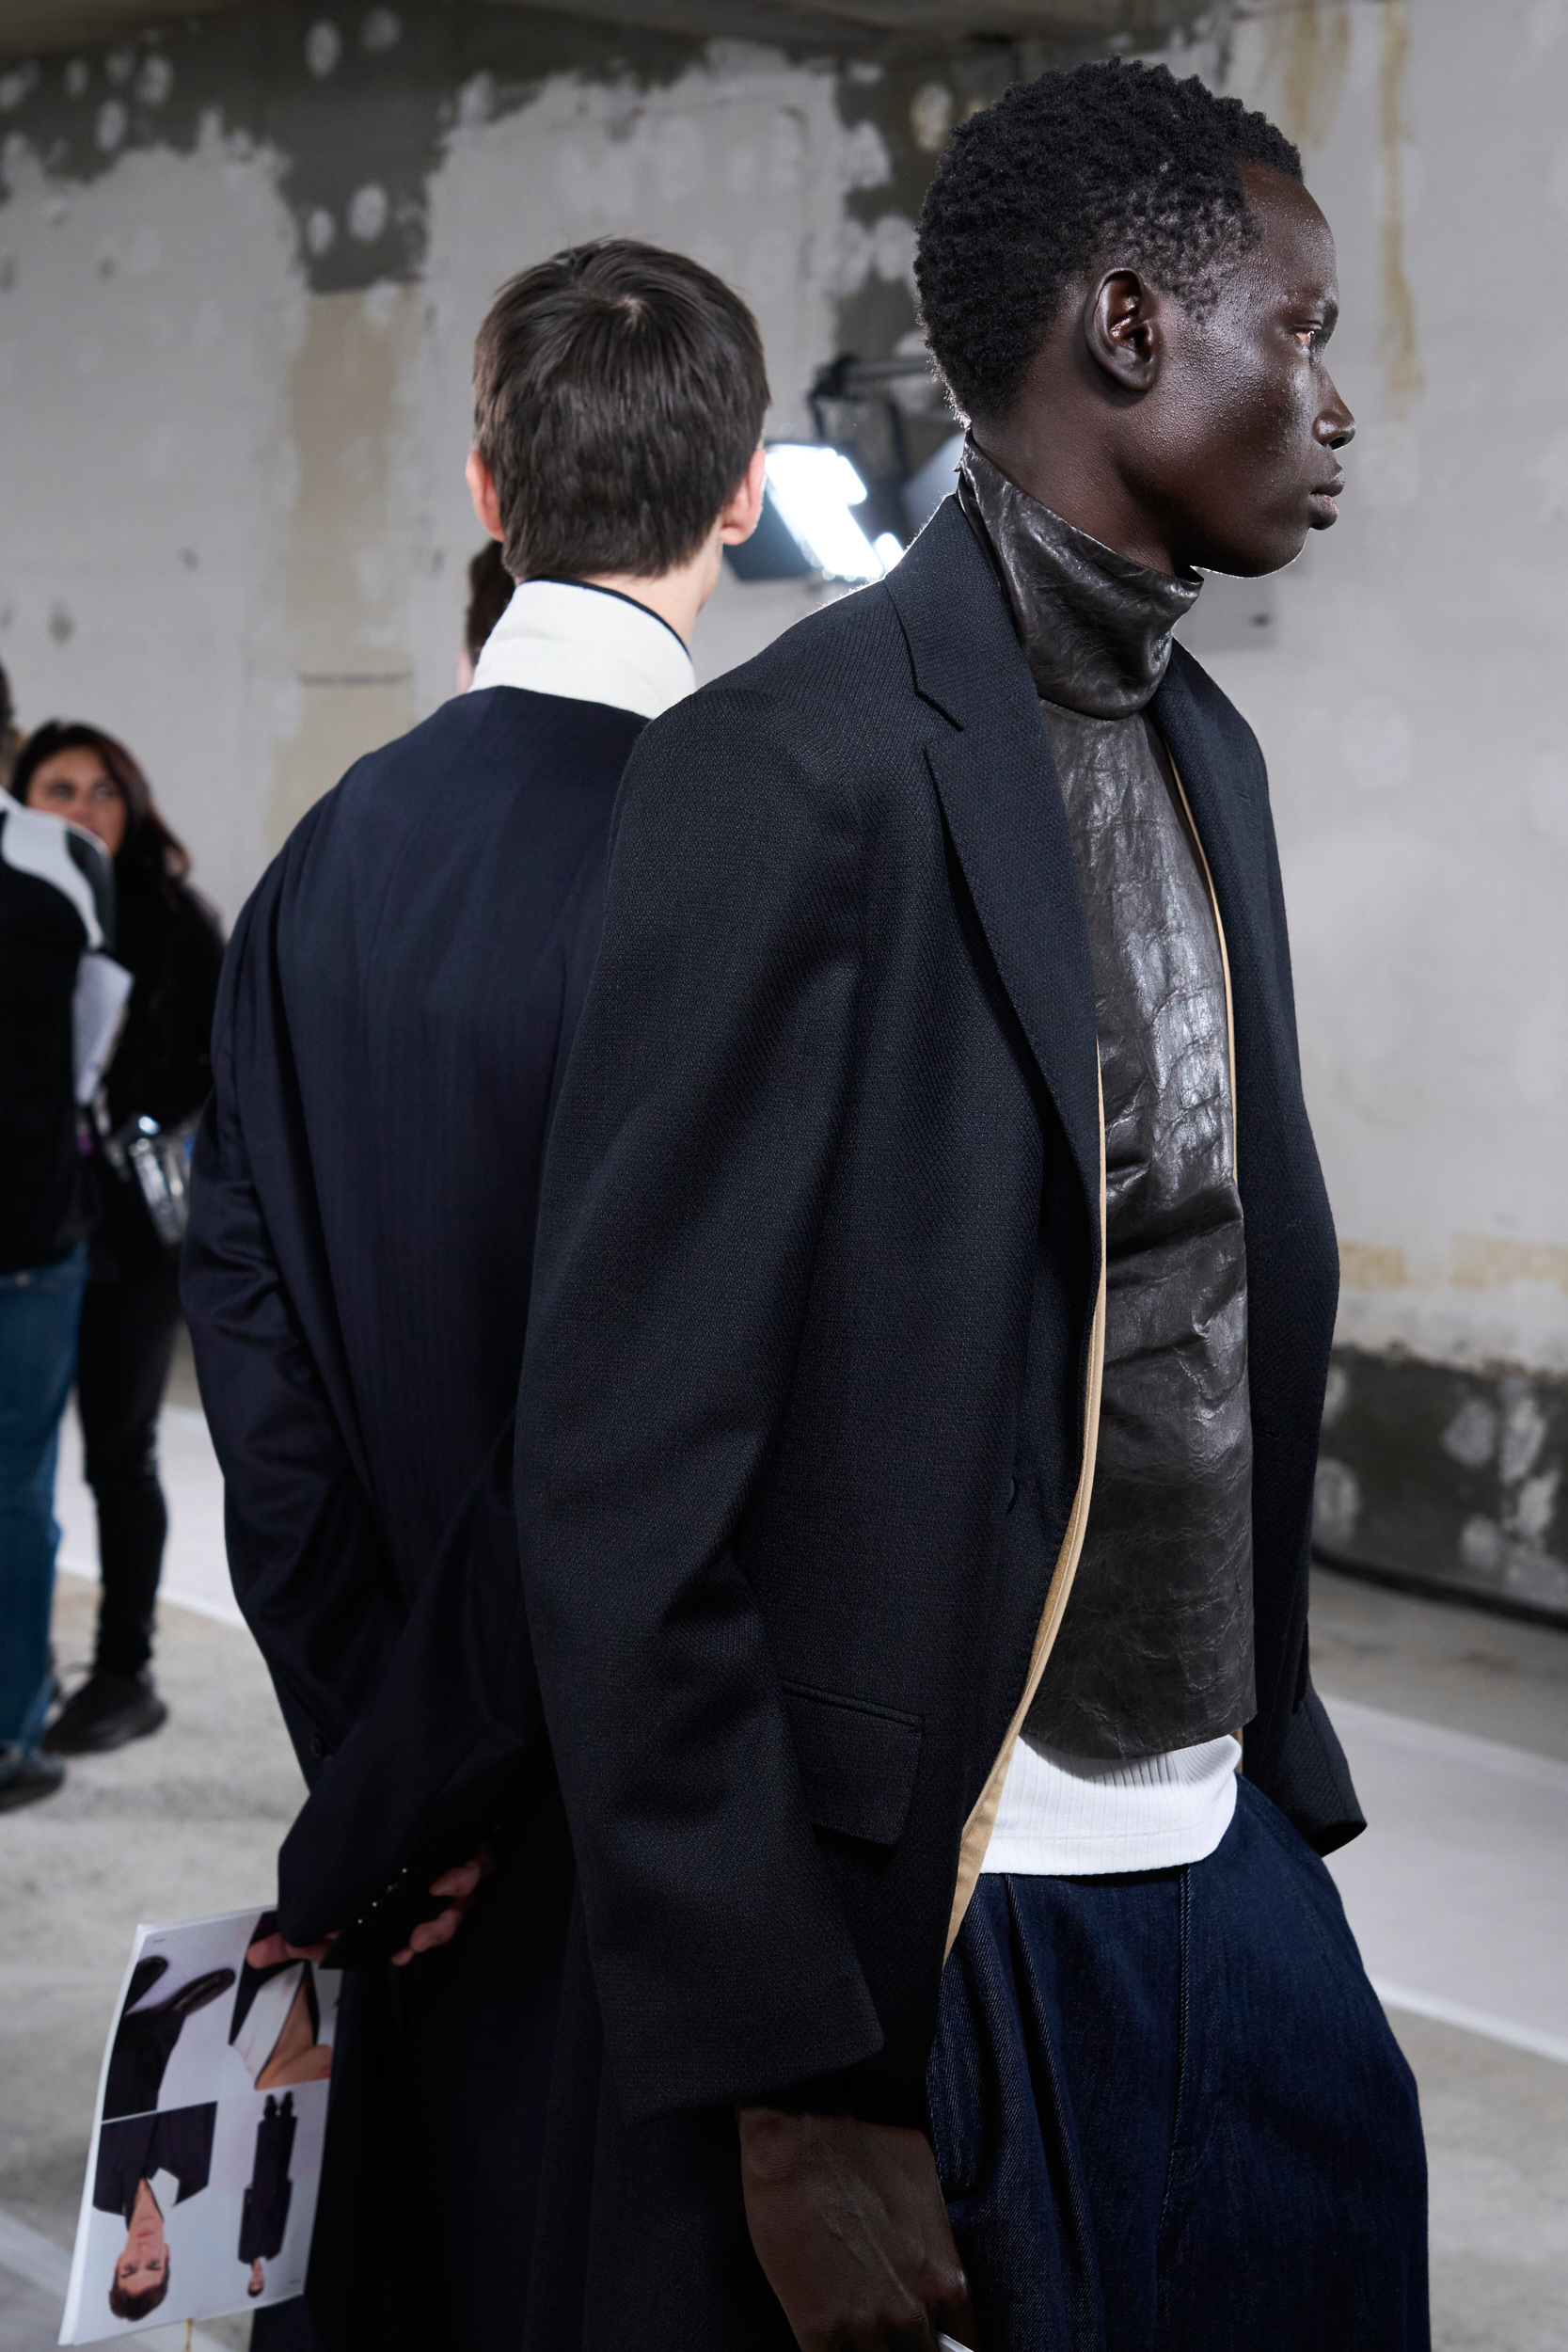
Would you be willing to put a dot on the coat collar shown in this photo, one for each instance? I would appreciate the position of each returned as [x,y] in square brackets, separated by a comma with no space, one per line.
[1095,627]
[997,782]
[590,644]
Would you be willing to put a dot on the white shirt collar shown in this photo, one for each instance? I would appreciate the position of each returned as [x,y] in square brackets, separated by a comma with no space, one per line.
[588,644]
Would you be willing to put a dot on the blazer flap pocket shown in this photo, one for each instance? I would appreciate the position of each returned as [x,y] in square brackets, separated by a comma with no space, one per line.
[858,1762]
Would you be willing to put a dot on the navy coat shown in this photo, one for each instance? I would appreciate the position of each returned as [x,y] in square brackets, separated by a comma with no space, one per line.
[396,1010]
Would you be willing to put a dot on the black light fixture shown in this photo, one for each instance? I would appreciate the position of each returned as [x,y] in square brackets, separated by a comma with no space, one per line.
[844,507]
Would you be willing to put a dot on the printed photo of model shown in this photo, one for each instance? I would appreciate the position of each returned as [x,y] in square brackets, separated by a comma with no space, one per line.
[146,2163]
[275,2029]
[265,2216]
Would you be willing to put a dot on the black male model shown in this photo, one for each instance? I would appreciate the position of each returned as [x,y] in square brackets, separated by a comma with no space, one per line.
[932,1303]
[397,1009]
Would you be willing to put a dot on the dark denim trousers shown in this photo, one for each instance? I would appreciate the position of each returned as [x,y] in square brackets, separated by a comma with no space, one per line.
[40,1311]
[1169,2115]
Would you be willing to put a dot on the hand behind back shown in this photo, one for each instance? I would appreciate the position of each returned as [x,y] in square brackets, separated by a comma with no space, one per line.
[457,1888]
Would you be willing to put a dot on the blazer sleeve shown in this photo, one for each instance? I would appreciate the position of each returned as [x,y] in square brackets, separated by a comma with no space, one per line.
[310,1568]
[684,1185]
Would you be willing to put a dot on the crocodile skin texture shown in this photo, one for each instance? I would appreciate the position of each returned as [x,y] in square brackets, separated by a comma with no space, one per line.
[1155,1647]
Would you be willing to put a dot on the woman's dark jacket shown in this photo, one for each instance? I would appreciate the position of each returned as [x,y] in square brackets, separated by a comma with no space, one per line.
[170,942]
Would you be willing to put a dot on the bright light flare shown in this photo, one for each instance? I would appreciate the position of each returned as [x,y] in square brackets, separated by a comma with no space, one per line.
[814,487]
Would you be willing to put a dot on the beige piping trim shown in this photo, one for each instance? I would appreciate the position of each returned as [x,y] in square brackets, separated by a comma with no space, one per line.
[982,1821]
[1224,958]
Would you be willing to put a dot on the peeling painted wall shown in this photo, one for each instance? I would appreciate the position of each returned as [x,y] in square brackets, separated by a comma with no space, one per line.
[241,268]
[240,265]
[1408,690]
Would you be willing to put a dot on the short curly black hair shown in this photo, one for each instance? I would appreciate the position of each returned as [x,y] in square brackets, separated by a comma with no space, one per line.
[1110,163]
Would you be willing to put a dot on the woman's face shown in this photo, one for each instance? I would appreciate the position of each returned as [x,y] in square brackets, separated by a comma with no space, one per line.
[76,785]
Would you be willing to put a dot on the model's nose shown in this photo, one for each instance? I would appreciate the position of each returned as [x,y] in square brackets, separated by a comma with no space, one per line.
[1335,425]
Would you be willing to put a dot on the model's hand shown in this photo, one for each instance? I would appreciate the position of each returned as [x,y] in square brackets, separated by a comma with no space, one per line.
[459,1886]
[270,1951]
[850,2226]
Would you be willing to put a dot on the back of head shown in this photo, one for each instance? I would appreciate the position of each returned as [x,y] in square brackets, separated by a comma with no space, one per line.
[1110,165]
[619,393]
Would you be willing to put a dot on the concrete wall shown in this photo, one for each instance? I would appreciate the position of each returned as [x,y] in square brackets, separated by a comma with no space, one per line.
[240,269]
[1406,685]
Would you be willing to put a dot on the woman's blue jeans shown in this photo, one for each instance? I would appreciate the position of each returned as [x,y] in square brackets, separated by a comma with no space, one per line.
[41,1308]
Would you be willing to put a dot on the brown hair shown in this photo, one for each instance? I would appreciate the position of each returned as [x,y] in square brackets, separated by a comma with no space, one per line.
[619,393]
[137,2306]
[150,857]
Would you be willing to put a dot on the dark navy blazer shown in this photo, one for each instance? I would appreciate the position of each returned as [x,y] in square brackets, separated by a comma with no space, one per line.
[803,1409]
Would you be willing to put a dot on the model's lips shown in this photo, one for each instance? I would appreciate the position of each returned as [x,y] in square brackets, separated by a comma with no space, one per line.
[1323,501]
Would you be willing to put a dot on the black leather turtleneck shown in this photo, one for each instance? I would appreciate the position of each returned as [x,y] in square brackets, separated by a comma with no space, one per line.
[1155,1648]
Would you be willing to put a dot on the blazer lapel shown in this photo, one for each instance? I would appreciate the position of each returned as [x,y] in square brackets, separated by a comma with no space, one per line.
[994,771]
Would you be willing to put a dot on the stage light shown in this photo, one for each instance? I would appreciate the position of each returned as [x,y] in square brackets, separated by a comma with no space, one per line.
[813,488]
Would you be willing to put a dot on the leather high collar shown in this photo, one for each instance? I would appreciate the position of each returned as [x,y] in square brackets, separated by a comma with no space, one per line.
[1095,627]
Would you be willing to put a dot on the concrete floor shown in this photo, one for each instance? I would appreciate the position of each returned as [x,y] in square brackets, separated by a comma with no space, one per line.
[1457,1724]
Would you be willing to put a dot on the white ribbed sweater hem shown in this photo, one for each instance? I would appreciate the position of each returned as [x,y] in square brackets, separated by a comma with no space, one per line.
[1073,1817]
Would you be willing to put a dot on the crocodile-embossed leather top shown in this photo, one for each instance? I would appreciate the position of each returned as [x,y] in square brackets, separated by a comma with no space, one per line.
[1155,1647]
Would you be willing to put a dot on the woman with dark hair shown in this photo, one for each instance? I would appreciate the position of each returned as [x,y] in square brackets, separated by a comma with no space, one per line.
[170,943]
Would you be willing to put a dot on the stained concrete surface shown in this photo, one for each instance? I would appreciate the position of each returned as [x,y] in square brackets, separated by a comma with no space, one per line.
[189,1822]
[1443,1664]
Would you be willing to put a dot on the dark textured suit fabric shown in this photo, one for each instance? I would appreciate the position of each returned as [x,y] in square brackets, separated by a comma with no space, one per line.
[179,2141]
[264,2216]
[802,1403]
[143,2045]
[396,1008]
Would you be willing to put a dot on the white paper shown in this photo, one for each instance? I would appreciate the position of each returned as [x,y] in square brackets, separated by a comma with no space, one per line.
[191,2091]
[97,1010]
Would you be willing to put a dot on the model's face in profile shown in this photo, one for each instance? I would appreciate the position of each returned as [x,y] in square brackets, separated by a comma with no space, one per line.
[76,785]
[1243,425]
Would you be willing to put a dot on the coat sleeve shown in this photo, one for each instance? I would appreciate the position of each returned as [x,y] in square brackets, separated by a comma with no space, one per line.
[414,1728]
[310,1568]
[685,1179]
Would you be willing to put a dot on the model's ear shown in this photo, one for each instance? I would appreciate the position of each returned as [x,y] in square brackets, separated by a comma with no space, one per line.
[744,511]
[482,489]
[1124,330]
